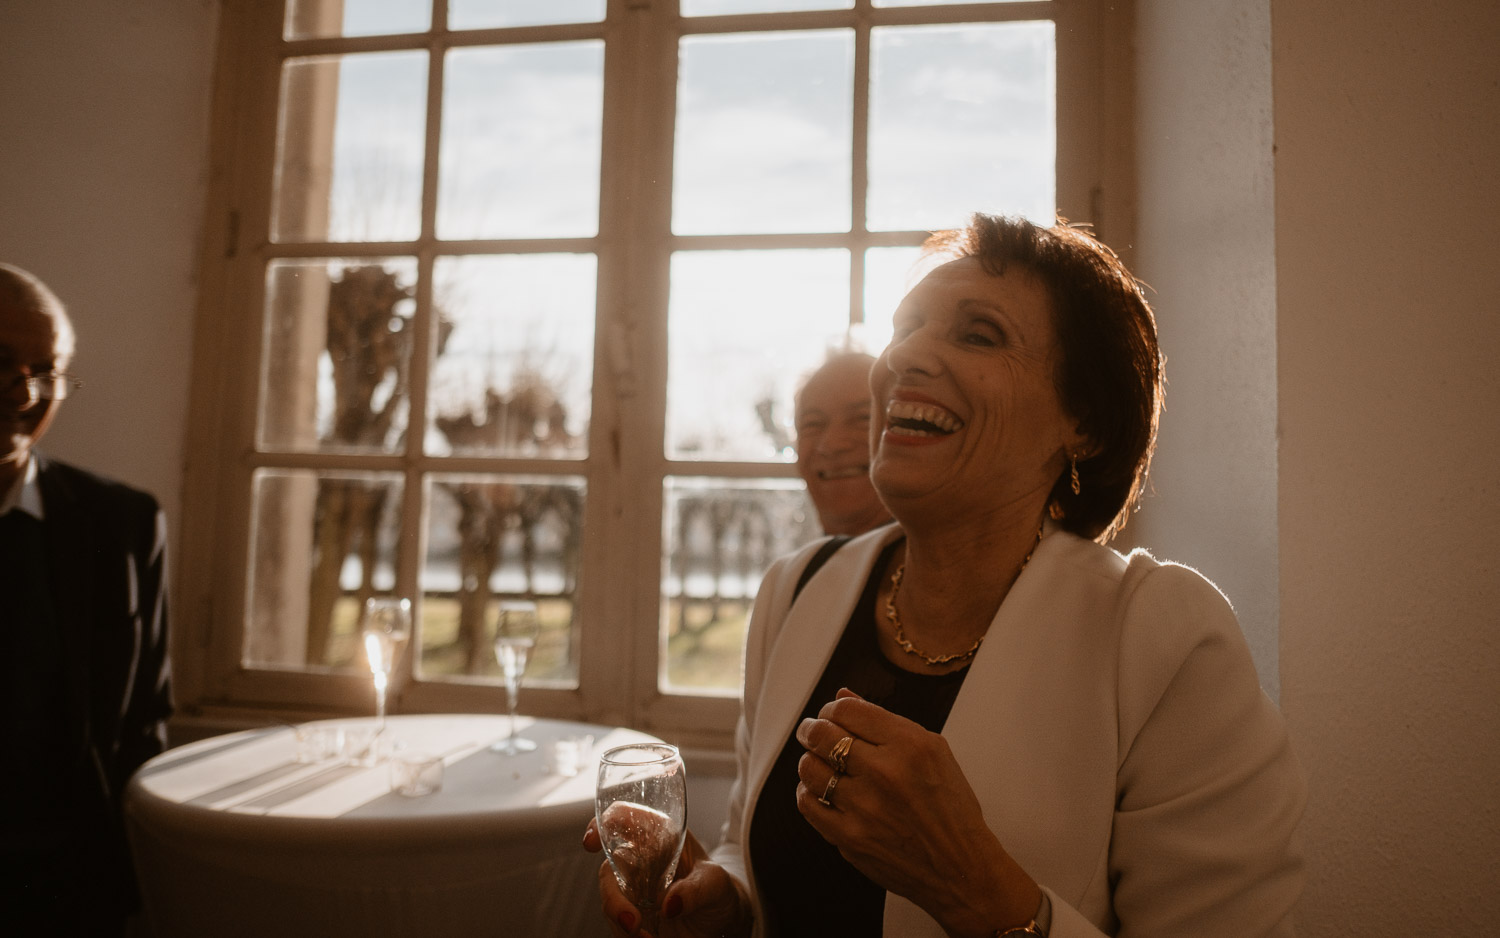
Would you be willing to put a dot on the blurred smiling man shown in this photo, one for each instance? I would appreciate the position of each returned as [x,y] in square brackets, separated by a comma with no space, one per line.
[84,680]
[832,420]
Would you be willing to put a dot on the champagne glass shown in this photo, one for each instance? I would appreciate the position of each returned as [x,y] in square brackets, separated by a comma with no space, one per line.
[385,629]
[640,805]
[515,637]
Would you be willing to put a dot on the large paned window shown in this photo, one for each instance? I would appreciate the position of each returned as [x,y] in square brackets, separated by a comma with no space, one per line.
[510,299]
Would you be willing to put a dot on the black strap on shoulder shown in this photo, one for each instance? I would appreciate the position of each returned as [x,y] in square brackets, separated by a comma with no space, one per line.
[818,559]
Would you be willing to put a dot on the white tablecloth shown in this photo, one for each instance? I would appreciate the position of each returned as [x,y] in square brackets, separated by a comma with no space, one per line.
[233,836]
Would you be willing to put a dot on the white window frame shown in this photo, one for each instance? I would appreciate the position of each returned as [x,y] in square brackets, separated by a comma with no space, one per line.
[619,612]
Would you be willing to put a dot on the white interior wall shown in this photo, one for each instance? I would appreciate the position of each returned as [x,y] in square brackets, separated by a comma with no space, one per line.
[104,170]
[1206,244]
[1374,283]
[1388,328]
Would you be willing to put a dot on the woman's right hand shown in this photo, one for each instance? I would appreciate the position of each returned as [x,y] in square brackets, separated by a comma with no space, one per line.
[704,901]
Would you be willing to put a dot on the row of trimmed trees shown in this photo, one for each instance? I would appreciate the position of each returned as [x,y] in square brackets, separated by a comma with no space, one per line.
[369,347]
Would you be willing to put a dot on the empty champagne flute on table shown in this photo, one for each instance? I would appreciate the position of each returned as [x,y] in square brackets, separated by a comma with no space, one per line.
[640,808]
[515,637]
[384,630]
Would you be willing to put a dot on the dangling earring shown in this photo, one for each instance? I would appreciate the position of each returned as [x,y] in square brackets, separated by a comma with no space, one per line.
[1074,474]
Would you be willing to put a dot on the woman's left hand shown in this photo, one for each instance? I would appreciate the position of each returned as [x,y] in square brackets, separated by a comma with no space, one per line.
[904,815]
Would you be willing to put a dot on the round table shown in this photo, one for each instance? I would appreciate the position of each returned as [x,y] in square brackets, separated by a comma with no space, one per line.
[234,836]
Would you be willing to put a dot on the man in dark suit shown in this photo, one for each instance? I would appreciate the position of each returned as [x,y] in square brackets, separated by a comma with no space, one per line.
[84,694]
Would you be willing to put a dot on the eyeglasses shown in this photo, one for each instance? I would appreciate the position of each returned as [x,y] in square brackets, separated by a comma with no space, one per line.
[47,386]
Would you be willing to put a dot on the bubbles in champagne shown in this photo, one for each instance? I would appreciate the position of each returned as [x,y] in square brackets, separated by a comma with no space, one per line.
[513,654]
[643,846]
[641,808]
[384,631]
[382,649]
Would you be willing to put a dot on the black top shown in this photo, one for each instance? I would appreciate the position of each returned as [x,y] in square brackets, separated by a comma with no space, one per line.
[806,887]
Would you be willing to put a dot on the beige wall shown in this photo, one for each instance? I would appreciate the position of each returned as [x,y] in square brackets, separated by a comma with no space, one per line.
[1362,247]
[1388,331]
[1376,520]
[103,176]
[1206,245]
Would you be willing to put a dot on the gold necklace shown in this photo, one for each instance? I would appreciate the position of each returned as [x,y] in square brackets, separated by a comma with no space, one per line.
[895,617]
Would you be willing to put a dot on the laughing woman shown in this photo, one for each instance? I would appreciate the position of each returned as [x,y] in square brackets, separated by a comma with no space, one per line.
[982,721]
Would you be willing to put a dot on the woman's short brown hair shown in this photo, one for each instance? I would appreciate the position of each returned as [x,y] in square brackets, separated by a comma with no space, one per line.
[1110,375]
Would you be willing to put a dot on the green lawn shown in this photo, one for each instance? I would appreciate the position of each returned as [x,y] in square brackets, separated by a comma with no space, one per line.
[705,654]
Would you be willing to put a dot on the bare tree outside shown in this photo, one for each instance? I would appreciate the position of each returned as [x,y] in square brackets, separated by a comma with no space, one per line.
[528,415]
[369,348]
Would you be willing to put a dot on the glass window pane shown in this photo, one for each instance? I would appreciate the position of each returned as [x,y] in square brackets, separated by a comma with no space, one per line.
[962,119]
[321,543]
[349,148]
[484,14]
[890,273]
[743,327]
[337,350]
[492,538]
[309,19]
[719,7]
[521,141]
[721,536]
[514,362]
[764,133]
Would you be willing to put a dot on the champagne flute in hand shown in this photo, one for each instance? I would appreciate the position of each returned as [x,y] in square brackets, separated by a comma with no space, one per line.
[515,637]
[640,807]
[384,630]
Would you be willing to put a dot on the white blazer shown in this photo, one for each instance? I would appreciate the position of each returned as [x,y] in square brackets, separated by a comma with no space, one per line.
[1111,725]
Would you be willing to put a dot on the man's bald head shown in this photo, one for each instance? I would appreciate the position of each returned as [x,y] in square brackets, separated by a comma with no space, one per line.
[36,338]
[25,301]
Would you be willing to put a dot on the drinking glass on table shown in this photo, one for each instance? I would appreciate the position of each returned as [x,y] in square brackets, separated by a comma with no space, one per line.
[384,631]
[515,636]
[640,808]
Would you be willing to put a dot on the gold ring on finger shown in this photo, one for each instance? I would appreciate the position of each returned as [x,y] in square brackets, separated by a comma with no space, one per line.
[826,799]
[839,756]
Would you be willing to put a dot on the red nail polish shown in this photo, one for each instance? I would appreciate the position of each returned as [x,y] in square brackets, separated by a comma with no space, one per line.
[673,908]
[626,920]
